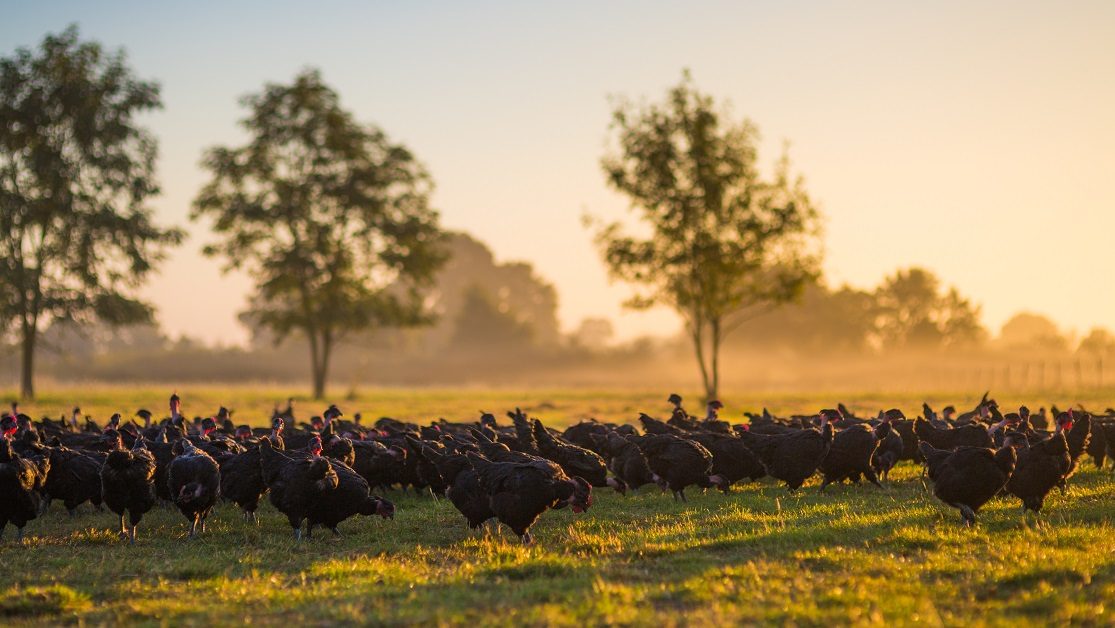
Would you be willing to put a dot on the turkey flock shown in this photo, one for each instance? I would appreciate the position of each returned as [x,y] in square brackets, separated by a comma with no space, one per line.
[323,472]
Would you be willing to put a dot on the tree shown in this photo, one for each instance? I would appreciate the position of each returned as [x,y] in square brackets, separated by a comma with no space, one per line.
[593,334]
[514,287]
[330,217]
[725,243]
[822,322]
[76,171]
[481,325]
[70,340]
[1030,331]
[1099,342]
[911,312]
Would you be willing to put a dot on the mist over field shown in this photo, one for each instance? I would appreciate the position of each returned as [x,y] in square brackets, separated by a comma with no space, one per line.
[833,340]
[895,150]
[490,313]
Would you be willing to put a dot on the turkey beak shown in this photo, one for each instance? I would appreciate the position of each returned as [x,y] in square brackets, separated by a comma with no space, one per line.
[618,485]
[385,510]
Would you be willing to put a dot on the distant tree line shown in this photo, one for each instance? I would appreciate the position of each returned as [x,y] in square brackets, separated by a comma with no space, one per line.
[908,310]
[333,222]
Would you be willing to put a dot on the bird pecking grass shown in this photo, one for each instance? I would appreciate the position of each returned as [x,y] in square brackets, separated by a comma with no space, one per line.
[856,554]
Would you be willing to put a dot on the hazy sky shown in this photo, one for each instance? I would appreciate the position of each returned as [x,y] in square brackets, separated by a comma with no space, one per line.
[977,139]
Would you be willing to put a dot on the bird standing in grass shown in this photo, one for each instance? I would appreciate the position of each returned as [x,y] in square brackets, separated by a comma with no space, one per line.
[519,492]
[128,484]
[795,455]
[967,477]
[297,480]
[195,483]
[21,483]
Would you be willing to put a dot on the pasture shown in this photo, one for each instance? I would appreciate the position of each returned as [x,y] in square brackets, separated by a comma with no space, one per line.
[855,554]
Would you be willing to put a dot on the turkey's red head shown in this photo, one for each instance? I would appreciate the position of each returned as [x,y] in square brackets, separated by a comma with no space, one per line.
[243,433]
[1065,421]
[315,446]
[8,426]
[581,499]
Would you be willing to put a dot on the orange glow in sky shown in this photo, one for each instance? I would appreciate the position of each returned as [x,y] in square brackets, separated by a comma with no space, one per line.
[977,141]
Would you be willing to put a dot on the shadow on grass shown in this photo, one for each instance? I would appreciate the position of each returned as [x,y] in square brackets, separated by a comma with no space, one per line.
[756,548]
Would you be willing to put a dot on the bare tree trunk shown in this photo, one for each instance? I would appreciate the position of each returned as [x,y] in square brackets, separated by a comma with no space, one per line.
[316,374]
[319,382]
[697,333]
[321,351]
[714,390]
[323,366]
[27,370]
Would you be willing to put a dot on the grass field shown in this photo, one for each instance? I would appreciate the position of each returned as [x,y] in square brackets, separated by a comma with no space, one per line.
[854,555]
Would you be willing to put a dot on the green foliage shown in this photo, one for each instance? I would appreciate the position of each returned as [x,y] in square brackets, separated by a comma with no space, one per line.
[907,310]
[912,312]
[514,289]
[724,241]
[76,172]
[481,324]
[854,555]
[822,321]
[329,216]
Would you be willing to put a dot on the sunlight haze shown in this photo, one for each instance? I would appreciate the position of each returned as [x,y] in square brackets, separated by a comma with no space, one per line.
[975,139]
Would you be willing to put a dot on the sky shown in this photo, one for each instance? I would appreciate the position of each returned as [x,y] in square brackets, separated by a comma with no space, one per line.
[976,139]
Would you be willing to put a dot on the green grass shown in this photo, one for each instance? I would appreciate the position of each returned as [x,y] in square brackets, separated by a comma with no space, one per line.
[854,555]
